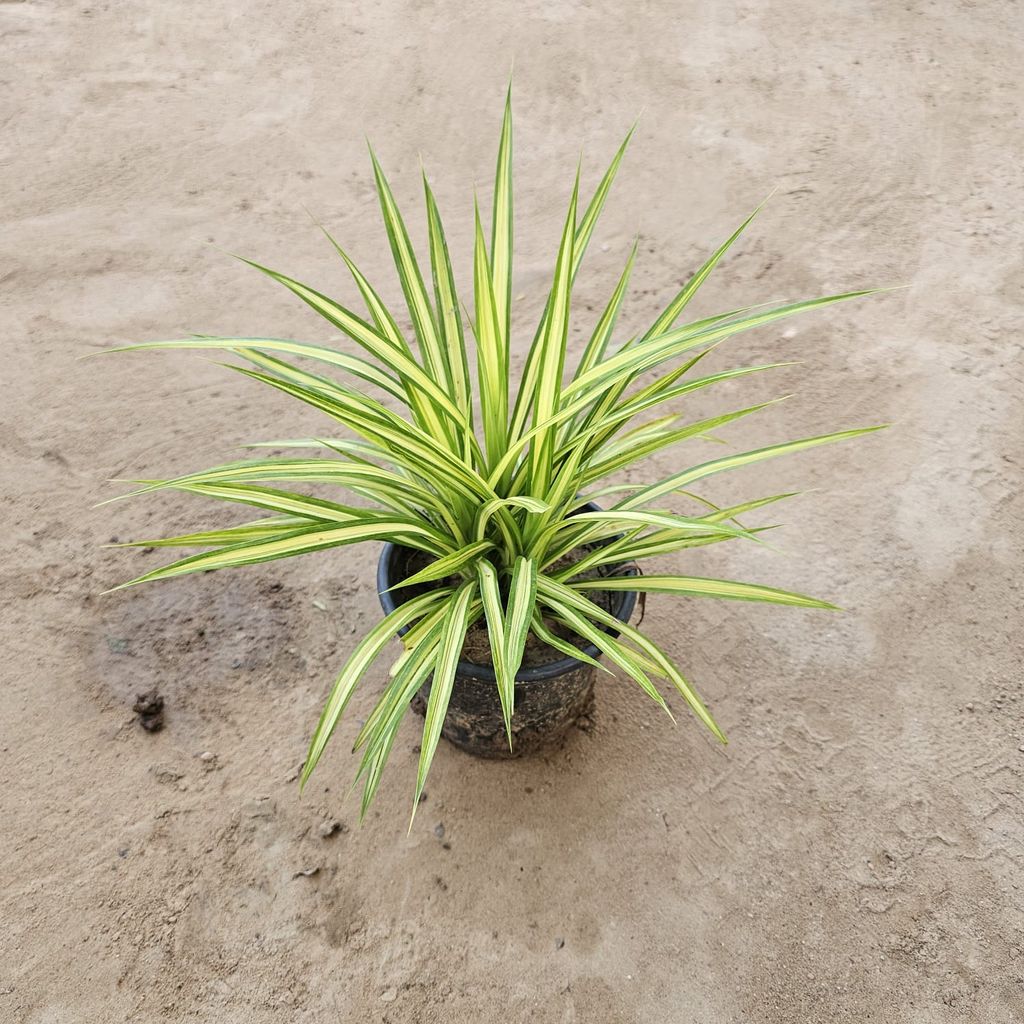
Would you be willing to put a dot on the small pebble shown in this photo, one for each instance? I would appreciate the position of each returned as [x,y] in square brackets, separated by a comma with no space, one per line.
[439,830]
[207,756]
[389,996]
[969,707]
[328,828]
[559,943]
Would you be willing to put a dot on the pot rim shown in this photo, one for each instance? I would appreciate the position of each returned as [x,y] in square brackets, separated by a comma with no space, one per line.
[623,603]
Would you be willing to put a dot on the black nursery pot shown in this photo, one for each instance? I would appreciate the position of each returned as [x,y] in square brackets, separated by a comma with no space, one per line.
[550,697]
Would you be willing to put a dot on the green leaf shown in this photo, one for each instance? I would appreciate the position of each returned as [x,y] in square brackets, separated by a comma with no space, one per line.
[273,500]
[602,429]
[664,664]
[595,349]
[447,566]
[318,537]
[392,707]
[415,292]
[587,526]
[490,594]
[553,640]
[697,586]
[439,402]
[522,597]
[420,647]
[453,636]
[551,357]
[404,442]
[491,353]
[361,477]
[449,317]
[638,447]
[528,384]
[688,476]
[553,596]
[627,363]
[501,228]
[681,301]
[351,364]
[355,668]
[271,526]
[495,505]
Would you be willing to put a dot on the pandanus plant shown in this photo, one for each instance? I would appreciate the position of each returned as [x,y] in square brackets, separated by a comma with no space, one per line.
[490,483]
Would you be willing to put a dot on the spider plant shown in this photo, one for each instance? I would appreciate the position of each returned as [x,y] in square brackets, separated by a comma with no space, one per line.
[484,479]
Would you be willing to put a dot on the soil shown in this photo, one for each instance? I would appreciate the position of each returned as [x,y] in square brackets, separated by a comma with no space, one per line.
[150,709]
[854,855]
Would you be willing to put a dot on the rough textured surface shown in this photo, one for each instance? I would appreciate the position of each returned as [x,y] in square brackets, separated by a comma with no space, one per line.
[855,854]
[546,710]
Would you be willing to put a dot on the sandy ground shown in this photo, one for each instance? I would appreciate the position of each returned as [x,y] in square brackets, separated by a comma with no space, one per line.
[854,855]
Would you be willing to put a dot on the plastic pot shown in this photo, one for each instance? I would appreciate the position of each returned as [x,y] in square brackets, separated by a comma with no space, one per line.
[550,697]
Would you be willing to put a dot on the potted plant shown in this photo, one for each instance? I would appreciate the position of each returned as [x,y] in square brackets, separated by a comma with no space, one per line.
[504,578]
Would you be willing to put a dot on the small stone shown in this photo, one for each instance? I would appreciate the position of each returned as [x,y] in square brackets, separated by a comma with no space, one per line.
[207,756]
[328,828]
[389,996]
[439,830]
[559,943]
[969,707]
[150,709]
[1021,748]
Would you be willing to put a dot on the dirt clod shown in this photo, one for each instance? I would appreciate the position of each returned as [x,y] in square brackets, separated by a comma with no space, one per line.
[150,709]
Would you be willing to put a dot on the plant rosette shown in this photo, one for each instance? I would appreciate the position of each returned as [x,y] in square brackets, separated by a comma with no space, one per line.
[506,583]
[553,690]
